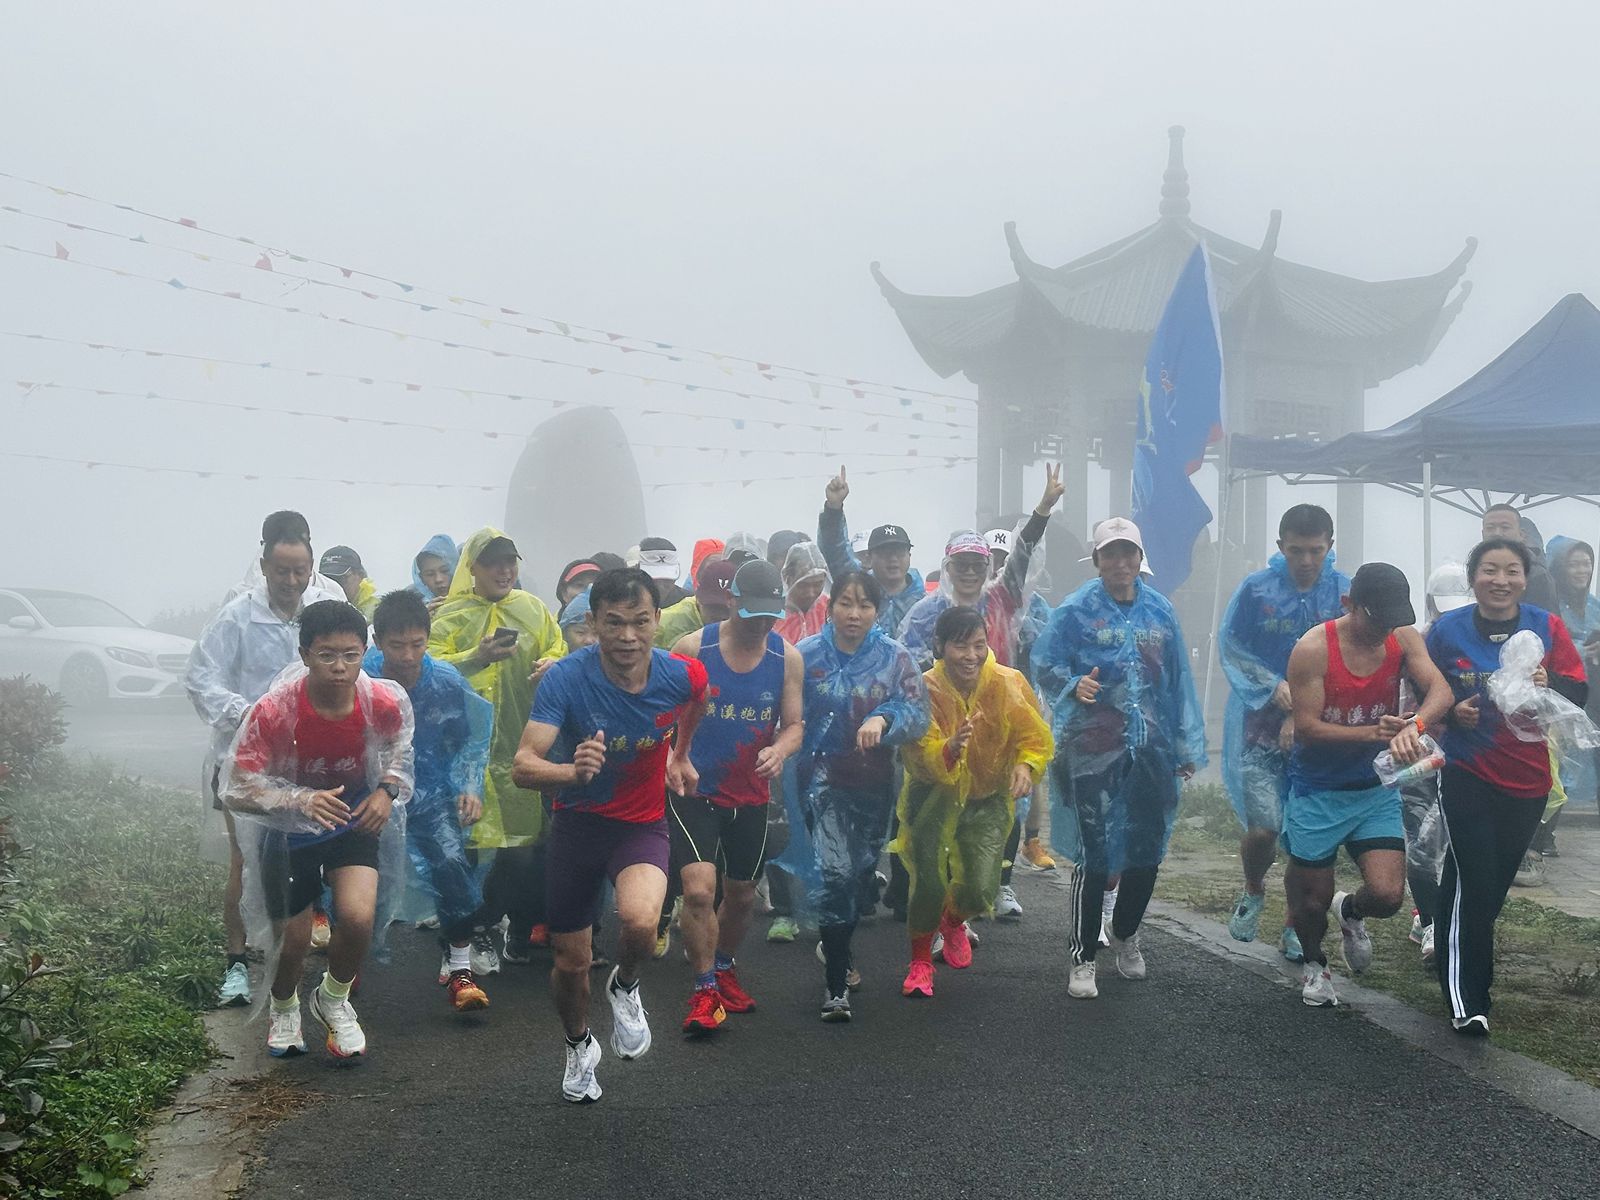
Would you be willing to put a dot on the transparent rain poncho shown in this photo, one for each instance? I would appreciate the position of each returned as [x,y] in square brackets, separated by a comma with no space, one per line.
[269,789]
[1534,713]
[1264,620]
[1113,792]
[846,795]
[453,725]
[803,562]
[511,815]
[1003,601]
[955,817]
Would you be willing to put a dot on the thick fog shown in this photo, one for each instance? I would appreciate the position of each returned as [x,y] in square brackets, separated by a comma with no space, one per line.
[715,177]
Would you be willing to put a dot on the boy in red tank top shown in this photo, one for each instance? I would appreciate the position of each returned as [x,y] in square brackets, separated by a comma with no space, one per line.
[1344,681]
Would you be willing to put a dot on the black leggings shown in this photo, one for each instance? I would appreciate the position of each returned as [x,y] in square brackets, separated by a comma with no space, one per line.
[1013,844]
[836,951]
[1133,897]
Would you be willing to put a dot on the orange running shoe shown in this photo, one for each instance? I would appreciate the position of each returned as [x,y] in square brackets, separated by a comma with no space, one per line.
[539,936]
[464,992]
[734,998]
[706,1013]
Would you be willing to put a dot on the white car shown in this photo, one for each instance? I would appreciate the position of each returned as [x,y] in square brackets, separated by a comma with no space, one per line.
[86,649]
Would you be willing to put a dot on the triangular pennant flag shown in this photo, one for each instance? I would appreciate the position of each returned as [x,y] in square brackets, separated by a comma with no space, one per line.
[61,251]
[175,282]
[189,221]
[816,390]
[263,263]
[566,329]
[763,366]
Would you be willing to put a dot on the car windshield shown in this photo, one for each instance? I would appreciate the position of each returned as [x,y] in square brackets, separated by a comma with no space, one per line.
[67,610]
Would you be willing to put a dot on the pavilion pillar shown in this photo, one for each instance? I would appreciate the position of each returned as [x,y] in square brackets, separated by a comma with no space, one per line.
[1260,530]
[1118,462]
[1075,477]
[991,422]
[1013,460]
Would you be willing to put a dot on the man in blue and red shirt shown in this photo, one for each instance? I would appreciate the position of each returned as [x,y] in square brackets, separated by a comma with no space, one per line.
[754,721]
[608,735]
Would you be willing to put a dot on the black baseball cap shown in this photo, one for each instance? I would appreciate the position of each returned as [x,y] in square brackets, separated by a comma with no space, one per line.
[497,548]
[758,589]
[1384,591]
[339,561]
[887,535]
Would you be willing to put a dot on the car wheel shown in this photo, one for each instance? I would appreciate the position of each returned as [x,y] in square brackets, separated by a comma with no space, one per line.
[83,683]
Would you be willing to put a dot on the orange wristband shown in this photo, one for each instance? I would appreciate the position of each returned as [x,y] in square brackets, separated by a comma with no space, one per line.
[1422,730]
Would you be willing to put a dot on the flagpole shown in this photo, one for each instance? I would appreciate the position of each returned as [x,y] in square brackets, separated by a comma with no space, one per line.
[1225,507]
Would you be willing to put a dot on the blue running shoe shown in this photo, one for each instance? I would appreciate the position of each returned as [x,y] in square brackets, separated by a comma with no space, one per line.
[1246,919]
[1290,945]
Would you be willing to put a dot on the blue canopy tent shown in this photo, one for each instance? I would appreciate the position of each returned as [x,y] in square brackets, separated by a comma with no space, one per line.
[1527,426]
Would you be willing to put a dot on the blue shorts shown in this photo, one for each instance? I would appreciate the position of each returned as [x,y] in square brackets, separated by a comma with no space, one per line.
[1317,823]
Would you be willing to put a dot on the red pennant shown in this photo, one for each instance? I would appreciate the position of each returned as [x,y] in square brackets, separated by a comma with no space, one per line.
[61,251]
[189,221]
[263,263]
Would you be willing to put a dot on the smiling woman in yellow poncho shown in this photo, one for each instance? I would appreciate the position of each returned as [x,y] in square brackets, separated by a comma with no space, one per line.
[481,601]
[987,743]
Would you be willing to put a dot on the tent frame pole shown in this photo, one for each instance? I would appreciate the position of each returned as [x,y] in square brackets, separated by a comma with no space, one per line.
[1427,521]
[1225,506]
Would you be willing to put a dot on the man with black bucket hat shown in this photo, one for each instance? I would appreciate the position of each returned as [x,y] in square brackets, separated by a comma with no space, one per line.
[1344,683]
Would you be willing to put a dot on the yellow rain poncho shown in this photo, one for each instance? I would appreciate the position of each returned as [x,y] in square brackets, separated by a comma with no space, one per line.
[366,600]
[511,815]
[955,817]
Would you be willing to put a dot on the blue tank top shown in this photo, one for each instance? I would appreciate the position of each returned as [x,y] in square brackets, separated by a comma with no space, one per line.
[740,721]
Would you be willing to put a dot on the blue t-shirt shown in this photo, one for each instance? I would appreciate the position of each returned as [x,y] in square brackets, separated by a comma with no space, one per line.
[576,697]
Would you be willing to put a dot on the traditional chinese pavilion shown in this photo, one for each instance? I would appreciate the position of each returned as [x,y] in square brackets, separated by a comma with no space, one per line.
[1057,352]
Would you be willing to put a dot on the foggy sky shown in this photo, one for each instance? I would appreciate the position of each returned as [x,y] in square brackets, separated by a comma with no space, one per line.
[717,176]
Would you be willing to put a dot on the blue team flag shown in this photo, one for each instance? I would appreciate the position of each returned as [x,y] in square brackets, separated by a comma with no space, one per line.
[1180,414]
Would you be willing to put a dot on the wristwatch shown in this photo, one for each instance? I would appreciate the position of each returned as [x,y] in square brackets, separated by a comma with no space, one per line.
[392,789]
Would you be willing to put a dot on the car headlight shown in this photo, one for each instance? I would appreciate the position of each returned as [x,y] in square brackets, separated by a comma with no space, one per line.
[131,658]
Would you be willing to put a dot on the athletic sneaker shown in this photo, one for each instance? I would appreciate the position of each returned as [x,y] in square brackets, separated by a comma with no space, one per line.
[338,1017]
[1416,928]
[1428,961]
[284,1034]
[1130,959]
[919,980]
[1357,941]
[235,989]
[321,931]
[836,1008]
[1289,945]
[444,968]
[1316,986]
[957,946]
[1531,873]
[630,1024]
[464,992]
[1035,857]
[1005,904]
[663,943]
[734,998]
[1080,983]
[1245,922]
[706,1013]
[515,950]
[852,977]
[783,929]
[578,1083]
[428,923]
[1476,1026]
[484,958]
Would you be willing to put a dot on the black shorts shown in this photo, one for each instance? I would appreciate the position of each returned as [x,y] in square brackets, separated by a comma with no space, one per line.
[293,875]
[733,838]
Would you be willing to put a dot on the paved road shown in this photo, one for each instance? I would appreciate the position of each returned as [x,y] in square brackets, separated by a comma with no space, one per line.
[1204,1080]
[162,740]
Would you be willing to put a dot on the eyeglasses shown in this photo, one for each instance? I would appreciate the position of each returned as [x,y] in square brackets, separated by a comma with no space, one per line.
[350,658]
[969,568]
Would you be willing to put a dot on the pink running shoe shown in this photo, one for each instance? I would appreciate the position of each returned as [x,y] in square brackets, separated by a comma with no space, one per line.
[919,980]
[957,945]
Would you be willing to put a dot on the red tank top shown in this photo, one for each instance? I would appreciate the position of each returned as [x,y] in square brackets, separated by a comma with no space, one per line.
[1349,699]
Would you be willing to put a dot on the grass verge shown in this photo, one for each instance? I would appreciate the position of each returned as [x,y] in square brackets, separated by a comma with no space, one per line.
[1547,963]
[115,899]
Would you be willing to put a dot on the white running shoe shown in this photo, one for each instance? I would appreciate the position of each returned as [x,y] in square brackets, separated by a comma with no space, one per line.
[235,989]
[284,1033]
[1316,986]
[1427,947]
[1080,984]
[338,1017]
[1476,1026]
[578,1083]
[1005,904]
[1416,928]
[484,957]
[1357,941]
[444,968]
[630,1024]
[1130,960]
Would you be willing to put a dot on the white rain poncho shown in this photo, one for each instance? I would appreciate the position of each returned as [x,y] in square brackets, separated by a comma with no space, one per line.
[1003,601]
[1265,618]
[1114,776]
[273,770]
[847,794]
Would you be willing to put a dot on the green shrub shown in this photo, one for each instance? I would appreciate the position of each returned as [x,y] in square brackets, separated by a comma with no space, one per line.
[32,727]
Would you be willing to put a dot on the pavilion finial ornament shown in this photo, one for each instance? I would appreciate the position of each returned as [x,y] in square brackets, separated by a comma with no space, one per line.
[1175,183]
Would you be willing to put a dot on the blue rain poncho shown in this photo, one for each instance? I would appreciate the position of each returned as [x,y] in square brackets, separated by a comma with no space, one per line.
[1114,791]
[1264,620]
[846,795]
[440,545]
[453,725]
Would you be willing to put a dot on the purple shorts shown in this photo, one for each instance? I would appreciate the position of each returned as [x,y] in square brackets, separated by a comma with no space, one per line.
[582,851]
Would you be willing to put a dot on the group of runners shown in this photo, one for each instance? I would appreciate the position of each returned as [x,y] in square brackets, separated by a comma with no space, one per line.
[644,748]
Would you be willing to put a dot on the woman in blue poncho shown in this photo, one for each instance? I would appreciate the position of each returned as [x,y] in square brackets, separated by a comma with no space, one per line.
[863,697]
[1113,665]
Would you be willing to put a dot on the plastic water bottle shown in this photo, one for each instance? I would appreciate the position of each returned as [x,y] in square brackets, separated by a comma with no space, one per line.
[1394,775]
